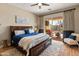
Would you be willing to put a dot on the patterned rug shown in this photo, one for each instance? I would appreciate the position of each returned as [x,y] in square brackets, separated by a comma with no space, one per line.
[57,48]
[53,49]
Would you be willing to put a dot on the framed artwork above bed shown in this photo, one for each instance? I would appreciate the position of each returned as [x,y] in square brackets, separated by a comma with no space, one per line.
[21,20]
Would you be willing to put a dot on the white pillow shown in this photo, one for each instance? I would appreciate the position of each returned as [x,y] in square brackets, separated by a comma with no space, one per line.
[18,32]
[31,31]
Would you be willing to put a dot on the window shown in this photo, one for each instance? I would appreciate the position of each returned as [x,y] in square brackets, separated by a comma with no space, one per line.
[56,25]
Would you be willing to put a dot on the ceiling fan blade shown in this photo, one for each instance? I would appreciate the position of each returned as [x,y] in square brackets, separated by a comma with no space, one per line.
[39,7]
[44,4]
[34,4]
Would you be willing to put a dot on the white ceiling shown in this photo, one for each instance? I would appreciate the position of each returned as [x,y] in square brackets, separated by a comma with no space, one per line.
[44,9]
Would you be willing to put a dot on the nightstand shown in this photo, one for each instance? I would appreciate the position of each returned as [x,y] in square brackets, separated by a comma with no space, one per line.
[5,43]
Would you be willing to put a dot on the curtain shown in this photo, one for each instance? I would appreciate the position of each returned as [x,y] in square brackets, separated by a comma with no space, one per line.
[69,20]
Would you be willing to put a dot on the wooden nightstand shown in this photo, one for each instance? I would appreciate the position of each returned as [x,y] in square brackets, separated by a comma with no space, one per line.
[5,43]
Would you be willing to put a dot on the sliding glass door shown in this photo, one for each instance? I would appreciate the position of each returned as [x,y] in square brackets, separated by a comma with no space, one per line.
[56,25]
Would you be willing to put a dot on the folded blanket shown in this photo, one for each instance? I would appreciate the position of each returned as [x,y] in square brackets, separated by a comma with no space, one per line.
[29,42]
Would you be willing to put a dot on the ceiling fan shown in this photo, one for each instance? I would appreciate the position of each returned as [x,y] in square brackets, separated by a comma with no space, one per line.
[40,5]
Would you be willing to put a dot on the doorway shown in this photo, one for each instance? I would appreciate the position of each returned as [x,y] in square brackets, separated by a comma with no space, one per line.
[54,27]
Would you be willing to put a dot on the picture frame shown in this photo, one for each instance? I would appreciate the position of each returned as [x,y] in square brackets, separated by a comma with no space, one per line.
[20,20]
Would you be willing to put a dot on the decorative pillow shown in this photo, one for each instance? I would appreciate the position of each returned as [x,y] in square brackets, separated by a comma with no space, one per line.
[18,32]
[26,31]
[31,31]
[72,37]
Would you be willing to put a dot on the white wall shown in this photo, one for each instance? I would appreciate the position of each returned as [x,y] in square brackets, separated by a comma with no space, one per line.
[7,18]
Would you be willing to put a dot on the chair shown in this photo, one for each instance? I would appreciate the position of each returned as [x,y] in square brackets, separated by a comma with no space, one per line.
[70,41]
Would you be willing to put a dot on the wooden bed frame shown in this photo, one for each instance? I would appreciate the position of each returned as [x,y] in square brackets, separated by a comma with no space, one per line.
[34,51]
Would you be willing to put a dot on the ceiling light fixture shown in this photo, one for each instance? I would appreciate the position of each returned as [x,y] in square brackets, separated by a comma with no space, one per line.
[40,5]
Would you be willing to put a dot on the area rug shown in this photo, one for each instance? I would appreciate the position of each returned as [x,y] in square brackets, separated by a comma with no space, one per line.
[53,49]
[57,48]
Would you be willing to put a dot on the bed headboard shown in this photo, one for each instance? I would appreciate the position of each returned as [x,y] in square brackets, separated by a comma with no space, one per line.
[13,28]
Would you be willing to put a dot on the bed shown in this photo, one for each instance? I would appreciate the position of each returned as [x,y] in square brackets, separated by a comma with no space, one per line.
[29,44]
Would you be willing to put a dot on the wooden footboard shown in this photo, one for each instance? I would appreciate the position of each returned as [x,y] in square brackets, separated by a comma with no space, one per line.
[36,50]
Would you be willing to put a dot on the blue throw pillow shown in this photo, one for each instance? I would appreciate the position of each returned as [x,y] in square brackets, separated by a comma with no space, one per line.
[26,31]
[72,37]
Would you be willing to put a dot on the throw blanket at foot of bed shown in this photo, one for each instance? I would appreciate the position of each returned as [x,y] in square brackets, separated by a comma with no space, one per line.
[28,42]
